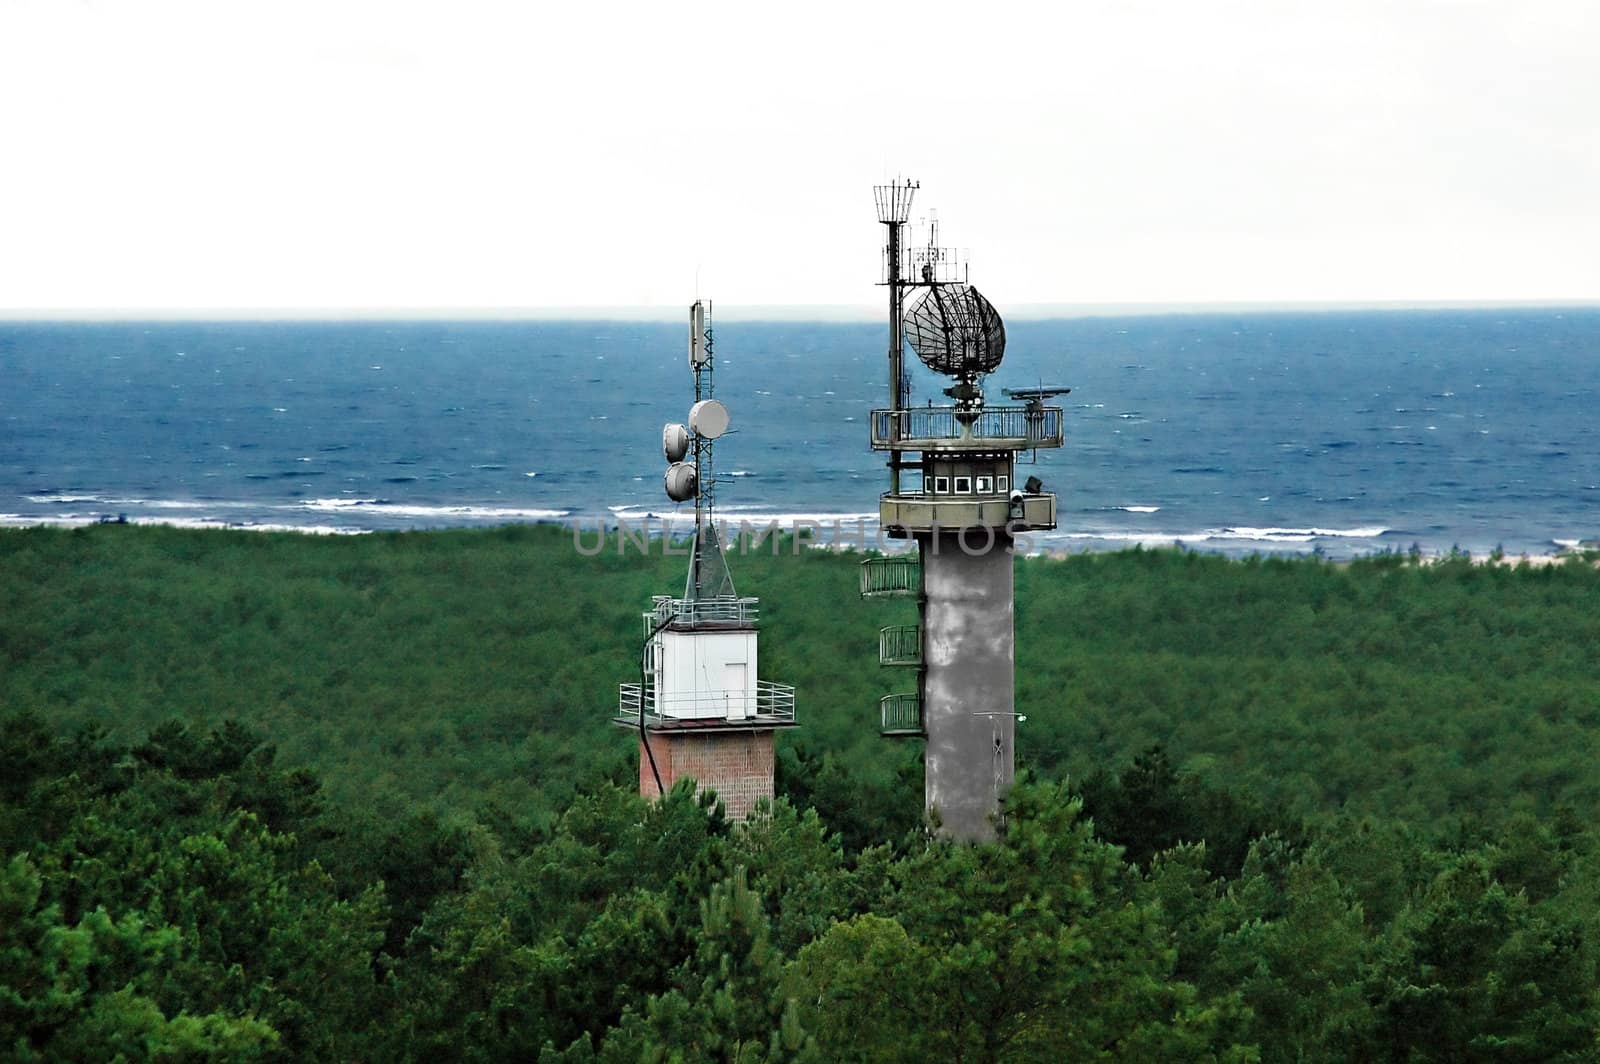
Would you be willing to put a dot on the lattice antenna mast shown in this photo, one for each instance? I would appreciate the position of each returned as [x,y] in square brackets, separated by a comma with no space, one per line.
[702,359]
[696,478]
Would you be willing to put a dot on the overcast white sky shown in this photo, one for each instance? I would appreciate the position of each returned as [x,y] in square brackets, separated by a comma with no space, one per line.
[398,155]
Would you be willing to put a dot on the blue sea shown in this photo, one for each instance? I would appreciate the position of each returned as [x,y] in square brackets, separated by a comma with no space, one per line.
[1344,433]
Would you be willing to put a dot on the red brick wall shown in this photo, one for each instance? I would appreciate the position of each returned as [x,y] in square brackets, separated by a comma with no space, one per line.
[737,765]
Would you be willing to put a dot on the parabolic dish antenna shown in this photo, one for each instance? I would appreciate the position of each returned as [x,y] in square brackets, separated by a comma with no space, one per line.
[681,482]
[955,331]
[674,442]
[708,418]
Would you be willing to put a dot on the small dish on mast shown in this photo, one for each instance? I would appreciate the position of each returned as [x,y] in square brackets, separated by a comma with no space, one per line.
[674,442]
[681,481]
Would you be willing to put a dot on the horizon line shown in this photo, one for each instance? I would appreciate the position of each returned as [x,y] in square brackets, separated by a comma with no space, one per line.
[792,312]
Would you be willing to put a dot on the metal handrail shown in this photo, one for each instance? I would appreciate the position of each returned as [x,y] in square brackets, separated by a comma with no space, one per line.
[893,574]
[692,612]
[900,714]
[1036,426]
[900,644]
[771,700]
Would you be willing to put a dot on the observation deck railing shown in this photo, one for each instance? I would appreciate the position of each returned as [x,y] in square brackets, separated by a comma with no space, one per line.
[771,704]
[933,428]
[702,613]
[900,715]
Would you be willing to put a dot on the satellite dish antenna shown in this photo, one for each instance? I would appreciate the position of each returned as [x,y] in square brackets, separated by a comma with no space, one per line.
[681,482]
[708,418]
[674,442]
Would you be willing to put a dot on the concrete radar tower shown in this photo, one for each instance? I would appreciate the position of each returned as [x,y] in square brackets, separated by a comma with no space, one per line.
[953,488]
[698,708]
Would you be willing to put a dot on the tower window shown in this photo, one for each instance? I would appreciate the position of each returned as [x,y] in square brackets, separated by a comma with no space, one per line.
[941,485]
[963,485]
[985,485]
[1002,483]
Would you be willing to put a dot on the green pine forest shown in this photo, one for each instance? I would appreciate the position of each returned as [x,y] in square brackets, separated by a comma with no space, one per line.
[284,797]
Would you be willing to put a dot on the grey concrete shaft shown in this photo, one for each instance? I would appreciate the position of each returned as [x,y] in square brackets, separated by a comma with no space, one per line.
[969,692]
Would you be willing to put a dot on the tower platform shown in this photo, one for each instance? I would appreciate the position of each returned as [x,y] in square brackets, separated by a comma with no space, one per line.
[949,428]
[919,512]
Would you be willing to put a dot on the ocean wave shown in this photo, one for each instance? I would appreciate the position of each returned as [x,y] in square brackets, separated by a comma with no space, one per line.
[165,521]
[241,526]
[1141,509]
[1232,534]
[145,504]
[732,517]
[383,508]
[1143,539]
[1371,532]
[339,504]
[188,504]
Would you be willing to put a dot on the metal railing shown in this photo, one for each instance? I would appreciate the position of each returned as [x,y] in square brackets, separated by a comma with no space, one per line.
[1033,426]
[893,574]
[770,702]
[900,714]
[733,612]
[900,644]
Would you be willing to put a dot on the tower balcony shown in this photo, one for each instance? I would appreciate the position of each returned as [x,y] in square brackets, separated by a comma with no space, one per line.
[900,716]
[921,512]
[770,705]
[900,644]
[891,575]
[944,428]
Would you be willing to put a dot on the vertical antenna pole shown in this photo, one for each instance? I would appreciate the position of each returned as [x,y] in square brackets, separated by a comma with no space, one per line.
[894,207]
[705,388]
[699,343]
[896,349]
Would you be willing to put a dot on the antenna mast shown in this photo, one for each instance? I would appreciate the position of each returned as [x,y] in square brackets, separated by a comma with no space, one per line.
[702,359]
[894,209]
[696,478]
